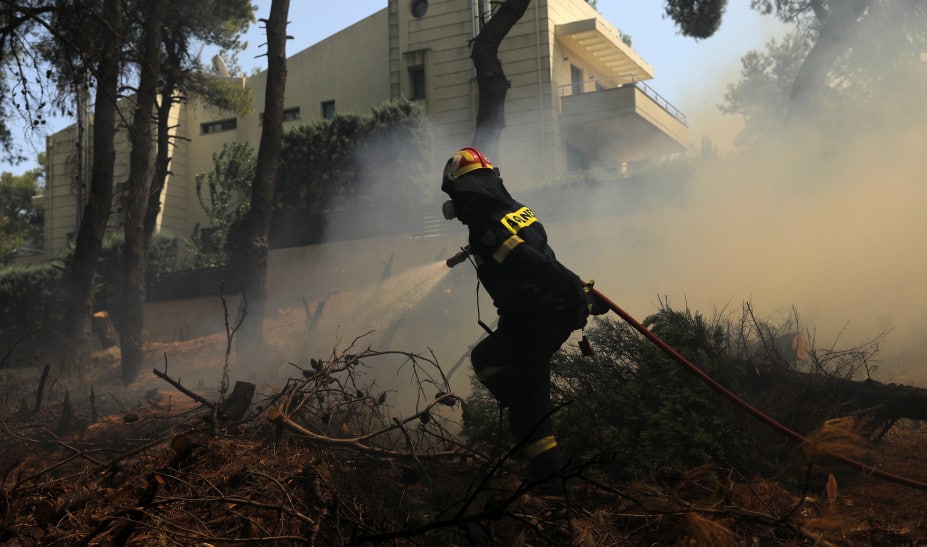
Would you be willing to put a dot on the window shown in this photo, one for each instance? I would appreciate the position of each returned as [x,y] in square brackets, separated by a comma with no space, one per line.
[218,126]
[328,109]
[416,63]
[575,158]
[291,113]
[417,79]
[419,8]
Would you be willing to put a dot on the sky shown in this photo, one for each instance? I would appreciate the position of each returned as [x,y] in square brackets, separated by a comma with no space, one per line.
[690,74]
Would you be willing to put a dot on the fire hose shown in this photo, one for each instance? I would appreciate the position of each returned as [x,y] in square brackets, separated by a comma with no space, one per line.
[755,412]
[750,409]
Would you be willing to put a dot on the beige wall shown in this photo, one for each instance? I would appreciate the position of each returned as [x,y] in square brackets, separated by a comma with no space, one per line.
[179,205]
[194,155]
[329,70]
[531,146]
[350,67]
[445,34]
[61,190]
[64,181]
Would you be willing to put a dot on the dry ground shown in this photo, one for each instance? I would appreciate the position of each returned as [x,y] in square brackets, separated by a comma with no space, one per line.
[148,466]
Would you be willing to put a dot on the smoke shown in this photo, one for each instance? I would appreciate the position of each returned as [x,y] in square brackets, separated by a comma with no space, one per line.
[390,291]
[827,226]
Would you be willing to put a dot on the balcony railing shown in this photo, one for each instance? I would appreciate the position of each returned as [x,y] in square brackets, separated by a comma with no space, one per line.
[622,80]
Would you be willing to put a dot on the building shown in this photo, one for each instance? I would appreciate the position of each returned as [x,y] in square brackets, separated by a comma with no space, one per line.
[578,99]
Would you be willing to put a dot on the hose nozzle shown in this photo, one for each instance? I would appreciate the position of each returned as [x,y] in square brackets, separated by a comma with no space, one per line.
[459,257]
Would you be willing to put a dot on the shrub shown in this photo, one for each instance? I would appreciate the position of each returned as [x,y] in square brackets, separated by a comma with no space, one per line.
[162,259]
[356,164]
[632,408]
[31,296]
[225,195]
[30,303]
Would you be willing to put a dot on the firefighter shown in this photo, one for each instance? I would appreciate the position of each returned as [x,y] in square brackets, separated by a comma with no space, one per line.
[539,302]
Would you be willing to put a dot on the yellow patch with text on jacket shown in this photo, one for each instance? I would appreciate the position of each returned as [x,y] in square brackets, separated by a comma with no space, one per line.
[516,220]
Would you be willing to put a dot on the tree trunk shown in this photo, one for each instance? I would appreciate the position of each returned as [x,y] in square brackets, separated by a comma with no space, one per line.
[490,78]
[253,262]
[162,157]
[81,275]
[136,199]
[883,404]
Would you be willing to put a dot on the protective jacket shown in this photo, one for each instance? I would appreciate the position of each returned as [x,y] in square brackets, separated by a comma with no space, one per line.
[514,262]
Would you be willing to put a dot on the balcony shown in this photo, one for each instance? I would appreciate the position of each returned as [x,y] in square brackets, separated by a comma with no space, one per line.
[601,49]
[621,119]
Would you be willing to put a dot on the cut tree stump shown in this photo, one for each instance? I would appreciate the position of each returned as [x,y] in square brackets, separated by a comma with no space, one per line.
[103,328]
[237,404]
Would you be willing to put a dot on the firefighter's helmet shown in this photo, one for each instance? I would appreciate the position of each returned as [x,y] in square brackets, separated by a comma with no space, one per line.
[464,161]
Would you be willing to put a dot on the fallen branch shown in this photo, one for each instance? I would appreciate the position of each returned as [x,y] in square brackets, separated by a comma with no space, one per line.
[277,417]
[196,397]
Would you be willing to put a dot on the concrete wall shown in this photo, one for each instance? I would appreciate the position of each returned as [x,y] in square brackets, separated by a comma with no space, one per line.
[302,275]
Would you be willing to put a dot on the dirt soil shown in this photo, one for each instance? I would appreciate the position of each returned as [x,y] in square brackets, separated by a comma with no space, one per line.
[151,465]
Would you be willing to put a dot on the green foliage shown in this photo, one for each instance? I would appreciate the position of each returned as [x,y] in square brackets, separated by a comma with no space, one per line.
[350,162]
[634,407]
[225,94]
[761,96]
[189,26]
[696,18]
[8,147]
[225,195]
[583,177]
[33,294]
[330,163]
[481,421]
[689,332]
[856,58]
[217,22]
[10,241]
[21,223]
[162,259]
[667,167]
[30,302]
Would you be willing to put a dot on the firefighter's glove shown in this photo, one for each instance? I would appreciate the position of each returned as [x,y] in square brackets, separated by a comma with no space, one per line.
[594,302]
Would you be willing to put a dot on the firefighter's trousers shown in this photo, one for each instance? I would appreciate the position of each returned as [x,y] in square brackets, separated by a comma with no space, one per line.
[514,364]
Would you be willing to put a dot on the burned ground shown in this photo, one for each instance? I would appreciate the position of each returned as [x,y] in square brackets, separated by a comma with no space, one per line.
[319,457]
